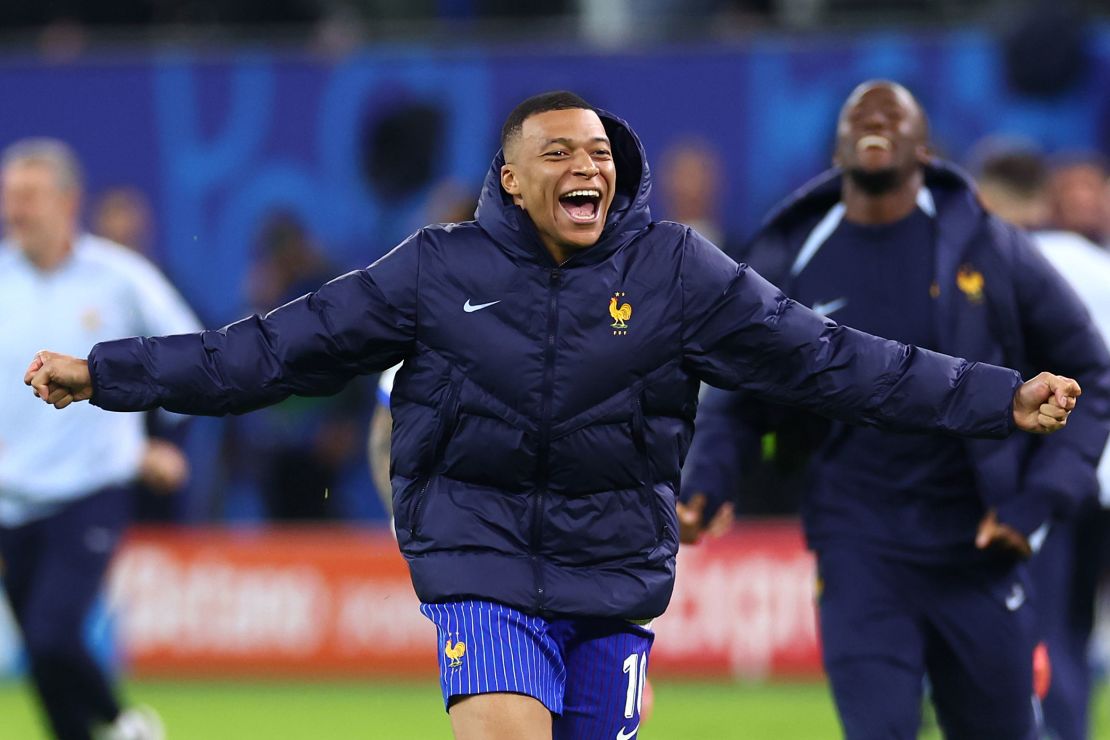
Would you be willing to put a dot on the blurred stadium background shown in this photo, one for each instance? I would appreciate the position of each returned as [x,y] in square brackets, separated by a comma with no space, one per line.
[254,148]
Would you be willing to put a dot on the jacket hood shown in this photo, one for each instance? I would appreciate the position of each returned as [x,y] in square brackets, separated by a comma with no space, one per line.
[817,196]
[511,227]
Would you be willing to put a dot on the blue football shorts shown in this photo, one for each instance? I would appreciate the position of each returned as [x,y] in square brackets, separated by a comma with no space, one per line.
[589,673]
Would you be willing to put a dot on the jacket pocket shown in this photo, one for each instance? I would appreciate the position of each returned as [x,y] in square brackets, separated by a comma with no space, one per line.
[448,420]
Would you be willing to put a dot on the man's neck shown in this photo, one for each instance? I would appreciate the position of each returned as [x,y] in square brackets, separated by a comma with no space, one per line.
[52,256]
[558,252]
[861,207]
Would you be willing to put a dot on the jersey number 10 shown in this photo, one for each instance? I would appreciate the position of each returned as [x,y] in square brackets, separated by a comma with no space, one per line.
[635,666]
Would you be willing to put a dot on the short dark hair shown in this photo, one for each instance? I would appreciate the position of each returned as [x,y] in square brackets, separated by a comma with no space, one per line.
[542,103]
[1022,171]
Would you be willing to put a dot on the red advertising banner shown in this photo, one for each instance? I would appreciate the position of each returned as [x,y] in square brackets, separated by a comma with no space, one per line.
[338,602]
[743,606]
[324,602]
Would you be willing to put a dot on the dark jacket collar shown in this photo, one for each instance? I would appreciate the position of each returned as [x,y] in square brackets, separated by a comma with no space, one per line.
[960,220]
[947,183]
[511,228]
[958,212]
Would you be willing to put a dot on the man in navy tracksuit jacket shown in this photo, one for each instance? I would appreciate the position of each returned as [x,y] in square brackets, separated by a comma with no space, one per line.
[552,354]
[896,243]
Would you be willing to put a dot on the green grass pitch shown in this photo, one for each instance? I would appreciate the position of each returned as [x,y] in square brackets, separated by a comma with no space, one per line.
[209,710]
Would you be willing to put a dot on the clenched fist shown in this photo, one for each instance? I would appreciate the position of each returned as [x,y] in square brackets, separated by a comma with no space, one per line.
[1042,404]
[59,379]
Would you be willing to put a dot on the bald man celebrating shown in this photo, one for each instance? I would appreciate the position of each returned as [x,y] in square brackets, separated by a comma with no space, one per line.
[920,538]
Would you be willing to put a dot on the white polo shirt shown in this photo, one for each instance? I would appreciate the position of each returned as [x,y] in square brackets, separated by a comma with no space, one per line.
[103,291]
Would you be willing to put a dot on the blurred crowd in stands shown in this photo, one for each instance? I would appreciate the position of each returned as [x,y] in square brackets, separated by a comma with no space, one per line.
[65,28]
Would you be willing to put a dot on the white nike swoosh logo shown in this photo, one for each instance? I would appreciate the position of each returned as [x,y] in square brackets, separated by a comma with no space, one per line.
[471,308]
[826,309]
[623,735]
[1016,598]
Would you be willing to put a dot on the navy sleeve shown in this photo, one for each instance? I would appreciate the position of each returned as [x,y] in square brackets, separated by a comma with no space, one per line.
[741,332]
[361,322]
[725,438]
[1059,335]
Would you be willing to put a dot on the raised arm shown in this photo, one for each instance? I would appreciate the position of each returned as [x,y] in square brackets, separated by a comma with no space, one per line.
[361,322]
[742,332]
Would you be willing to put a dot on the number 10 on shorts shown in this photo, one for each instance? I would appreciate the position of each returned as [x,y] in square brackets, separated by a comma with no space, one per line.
[635,666]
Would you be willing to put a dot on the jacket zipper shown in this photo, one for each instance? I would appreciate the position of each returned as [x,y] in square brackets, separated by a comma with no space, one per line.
[545,429]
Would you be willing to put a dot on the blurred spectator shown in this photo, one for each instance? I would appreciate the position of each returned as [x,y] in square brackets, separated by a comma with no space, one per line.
[298,450]
[64,505]
[449,202]
[1014,184]
[123,215]
[693,187]
[289,265]
[378,442]
[1077,187]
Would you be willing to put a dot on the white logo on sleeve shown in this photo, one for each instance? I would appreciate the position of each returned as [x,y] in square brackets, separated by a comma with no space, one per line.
[471,308]
[628,734]
[829,307]
[1016,598]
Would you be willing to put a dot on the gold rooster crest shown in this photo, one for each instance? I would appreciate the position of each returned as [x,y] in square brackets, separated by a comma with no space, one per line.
[970,281]
[455,653]
[620,313]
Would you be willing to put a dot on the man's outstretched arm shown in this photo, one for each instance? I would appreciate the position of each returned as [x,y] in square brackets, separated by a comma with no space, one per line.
[1041,405]
[358,323]
[742,332]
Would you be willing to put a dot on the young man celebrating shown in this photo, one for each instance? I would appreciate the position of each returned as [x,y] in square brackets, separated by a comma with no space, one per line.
[552,353]
[919,537]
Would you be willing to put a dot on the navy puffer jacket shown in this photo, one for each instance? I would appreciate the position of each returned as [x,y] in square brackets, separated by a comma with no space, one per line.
[543,411]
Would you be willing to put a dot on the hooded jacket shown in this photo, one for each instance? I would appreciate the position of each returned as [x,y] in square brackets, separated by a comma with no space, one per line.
[1024,316]
[543,411]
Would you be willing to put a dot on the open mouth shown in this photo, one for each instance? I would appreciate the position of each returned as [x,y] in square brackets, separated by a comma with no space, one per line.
[582,206]
[873,141]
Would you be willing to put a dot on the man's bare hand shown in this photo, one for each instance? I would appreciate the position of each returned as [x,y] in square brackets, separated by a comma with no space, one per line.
[164,467]
[994,535]
[691,516]
[59,379]
[1042,404]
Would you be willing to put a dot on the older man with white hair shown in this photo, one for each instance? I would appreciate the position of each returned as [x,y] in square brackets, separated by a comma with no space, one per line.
[64,483]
